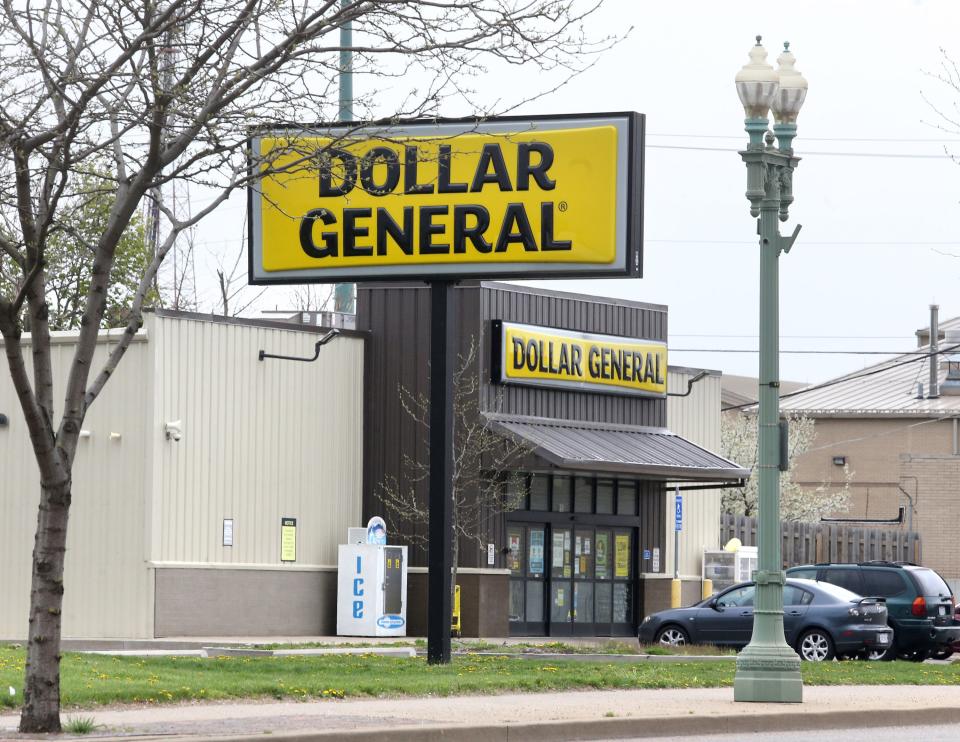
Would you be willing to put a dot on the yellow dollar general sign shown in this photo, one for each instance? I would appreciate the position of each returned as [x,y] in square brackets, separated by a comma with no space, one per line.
[544,356]
[552,196]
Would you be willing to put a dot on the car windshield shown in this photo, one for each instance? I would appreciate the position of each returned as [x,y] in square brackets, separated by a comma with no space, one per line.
[930,582]
[838,593]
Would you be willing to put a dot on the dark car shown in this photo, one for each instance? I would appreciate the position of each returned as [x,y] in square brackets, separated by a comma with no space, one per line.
[920,604]
[820,620]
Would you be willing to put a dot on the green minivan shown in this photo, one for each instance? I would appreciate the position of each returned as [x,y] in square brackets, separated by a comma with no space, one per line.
[920,604]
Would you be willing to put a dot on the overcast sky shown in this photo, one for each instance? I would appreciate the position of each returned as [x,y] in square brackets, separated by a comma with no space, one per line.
[876,192]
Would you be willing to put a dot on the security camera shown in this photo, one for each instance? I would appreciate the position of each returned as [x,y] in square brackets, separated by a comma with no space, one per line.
[173,430]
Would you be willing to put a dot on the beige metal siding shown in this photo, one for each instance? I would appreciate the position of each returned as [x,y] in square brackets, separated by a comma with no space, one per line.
[107,586]
[261,440]
[696,418]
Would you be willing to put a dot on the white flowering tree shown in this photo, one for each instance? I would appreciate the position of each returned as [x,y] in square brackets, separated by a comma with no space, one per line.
[738,436]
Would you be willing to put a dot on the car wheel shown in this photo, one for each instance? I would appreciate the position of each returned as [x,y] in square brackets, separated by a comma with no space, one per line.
[915,655]
[672,636]
[942,653]
[815,645]
[883,655]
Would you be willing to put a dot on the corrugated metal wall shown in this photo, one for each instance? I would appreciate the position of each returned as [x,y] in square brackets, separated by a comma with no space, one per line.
[398,317]
[697,418]
[107,586]
[261,440]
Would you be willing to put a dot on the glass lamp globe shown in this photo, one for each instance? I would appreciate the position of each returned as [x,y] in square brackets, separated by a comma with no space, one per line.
[792,89]
[757,83]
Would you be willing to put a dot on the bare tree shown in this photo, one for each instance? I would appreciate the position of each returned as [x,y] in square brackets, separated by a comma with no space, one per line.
[87,80]
[313,298]
[488,477]
[738,441]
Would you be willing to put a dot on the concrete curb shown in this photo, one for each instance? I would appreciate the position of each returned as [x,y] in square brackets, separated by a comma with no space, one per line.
[208,652]
[612,728]
[542,657]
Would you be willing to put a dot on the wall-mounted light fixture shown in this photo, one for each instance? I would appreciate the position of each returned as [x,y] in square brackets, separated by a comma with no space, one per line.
[4,420]
[173,430]
[839,460]
[316,351]
[690,382]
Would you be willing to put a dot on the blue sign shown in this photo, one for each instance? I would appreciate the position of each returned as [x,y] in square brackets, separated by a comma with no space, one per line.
[678,521]
[390,622]
[646,553]
[358,590]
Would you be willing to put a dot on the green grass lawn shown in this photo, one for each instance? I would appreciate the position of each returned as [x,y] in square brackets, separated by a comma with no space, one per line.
[90,680]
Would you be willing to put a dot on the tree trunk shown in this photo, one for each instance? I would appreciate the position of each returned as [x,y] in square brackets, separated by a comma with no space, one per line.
[41,690]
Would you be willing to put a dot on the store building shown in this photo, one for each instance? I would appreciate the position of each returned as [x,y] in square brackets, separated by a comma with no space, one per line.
[190,468]
[583,552]
[199,455]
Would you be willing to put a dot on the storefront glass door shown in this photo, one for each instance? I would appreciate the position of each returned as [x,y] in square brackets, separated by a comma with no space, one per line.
[526,561]
[570,581]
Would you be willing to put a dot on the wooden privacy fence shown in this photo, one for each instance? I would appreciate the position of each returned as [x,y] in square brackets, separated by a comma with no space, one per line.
[810,543]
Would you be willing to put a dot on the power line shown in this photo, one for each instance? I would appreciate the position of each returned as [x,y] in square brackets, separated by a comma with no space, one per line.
[805,337]
[806,153]
[810,242]
[809,352]
[814,139]
[889,431]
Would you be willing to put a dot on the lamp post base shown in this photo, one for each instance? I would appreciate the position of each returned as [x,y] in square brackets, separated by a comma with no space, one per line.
[768,674]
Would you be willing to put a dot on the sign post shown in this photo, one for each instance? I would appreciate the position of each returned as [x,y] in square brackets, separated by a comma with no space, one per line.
[440,548]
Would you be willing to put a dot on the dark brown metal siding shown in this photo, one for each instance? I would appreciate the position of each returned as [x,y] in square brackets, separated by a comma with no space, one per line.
[398,318]
[653,500]
[600,316]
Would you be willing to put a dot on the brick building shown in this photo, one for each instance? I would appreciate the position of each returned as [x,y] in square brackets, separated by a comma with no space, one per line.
[896,426]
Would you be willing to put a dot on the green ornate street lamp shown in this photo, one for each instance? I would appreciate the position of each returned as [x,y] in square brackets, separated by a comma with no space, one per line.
[768,669]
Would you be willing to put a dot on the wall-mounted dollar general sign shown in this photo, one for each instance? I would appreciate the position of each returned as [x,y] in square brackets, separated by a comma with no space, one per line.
[544,356]
[499,197]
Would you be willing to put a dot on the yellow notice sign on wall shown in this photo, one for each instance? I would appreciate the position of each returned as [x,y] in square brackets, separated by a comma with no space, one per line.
[543,356]
[288,539]
[492,198]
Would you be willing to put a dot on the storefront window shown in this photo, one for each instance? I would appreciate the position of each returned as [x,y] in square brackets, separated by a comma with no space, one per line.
[604,601]
[583,495]
[560,559]
[516,600]
[622,602]
[534,601]
[583,552]
[621,555]
[626,498]
[515,553]
[583,602]
[602,560]
[560,599]
[604,496]
[516,492]
[561,494]
[539,492]
[535,564]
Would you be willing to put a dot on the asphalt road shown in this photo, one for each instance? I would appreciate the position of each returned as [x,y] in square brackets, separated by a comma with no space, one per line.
[933,733]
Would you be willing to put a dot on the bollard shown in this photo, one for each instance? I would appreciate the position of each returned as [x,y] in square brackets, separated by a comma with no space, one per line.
[455,619]
[675,593]
[707,590]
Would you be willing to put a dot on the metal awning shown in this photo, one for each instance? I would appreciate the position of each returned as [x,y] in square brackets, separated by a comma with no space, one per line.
[651,453]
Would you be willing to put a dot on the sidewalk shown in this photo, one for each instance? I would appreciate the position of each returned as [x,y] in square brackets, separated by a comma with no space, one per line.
[528,716]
